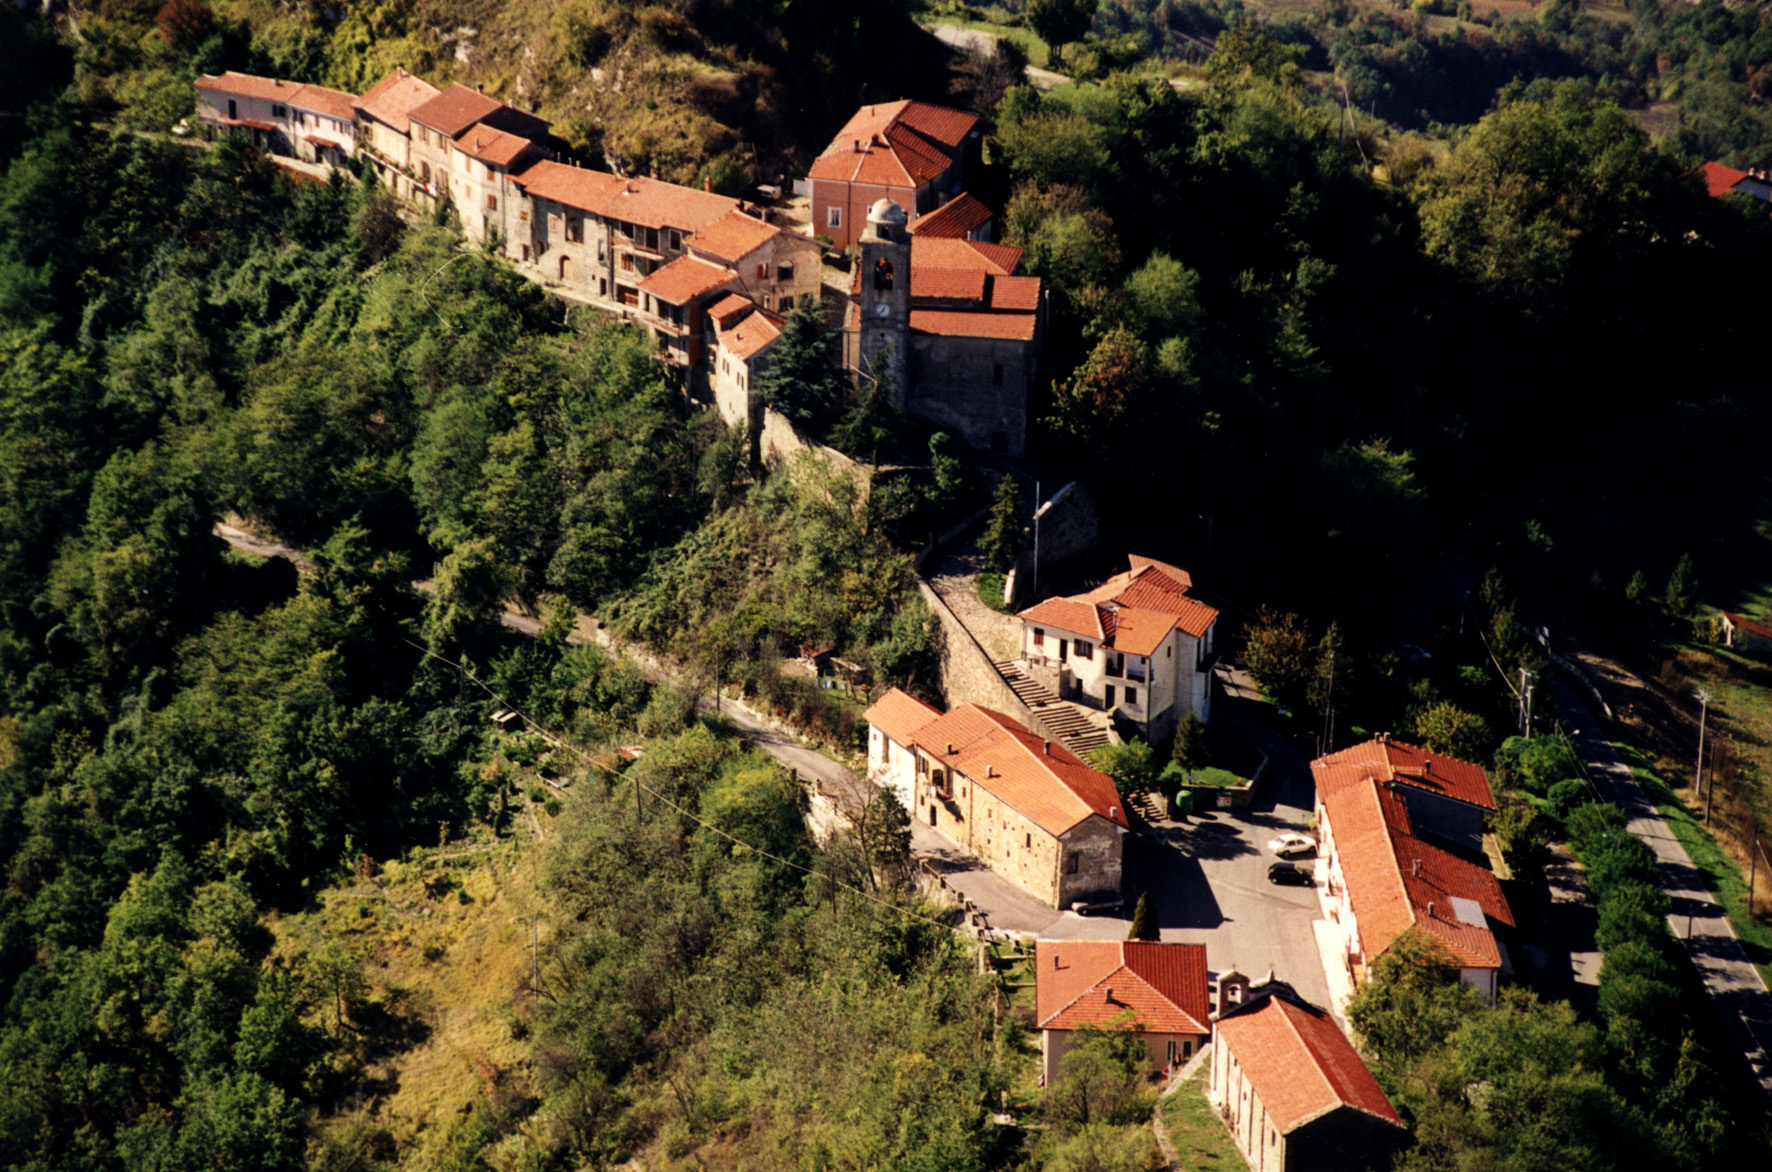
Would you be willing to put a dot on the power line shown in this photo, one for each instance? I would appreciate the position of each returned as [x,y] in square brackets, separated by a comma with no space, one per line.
[593,763]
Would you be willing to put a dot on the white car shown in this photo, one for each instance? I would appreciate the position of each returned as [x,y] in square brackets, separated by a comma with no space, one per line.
[1288,845]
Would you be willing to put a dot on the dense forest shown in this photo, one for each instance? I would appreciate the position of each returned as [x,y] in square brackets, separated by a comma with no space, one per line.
[1382,365]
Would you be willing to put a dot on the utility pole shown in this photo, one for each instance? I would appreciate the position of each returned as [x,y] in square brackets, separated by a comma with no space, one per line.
[1523,716]
[1698,770]
[1035,592]
[1323,744]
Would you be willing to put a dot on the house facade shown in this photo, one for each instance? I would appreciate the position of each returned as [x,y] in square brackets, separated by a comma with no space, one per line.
[1382,879]
[1028,808]
[917,155]
[1447,798]
[1746,636]
[466,148]
[1156,990]
[1294,1092]
[307,122]
[1139,646]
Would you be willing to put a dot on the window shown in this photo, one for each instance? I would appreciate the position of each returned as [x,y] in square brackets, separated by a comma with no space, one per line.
[762,270]
[627,262]
[883,275]
[784,272]
[279,111]
[1039,637]
[575,231]
[1132,697]
[1108,700]
[885,750]
[602,286]
[833,218]
[676,240]
[1029,844]
[491,202]
[1070,864]
[233,110]
[997,374]
[424,172]
[652,238]
[1085,649]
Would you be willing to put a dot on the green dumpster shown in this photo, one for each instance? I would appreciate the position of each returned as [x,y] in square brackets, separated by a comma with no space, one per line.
[1184,803]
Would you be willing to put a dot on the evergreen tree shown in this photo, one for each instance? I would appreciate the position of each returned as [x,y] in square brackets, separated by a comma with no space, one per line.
[1003,531]
[799,383]
[1144,920]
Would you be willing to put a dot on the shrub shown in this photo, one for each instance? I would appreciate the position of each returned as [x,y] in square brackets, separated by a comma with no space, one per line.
[1631,913]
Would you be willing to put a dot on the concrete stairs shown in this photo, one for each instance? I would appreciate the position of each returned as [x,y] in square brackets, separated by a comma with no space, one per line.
[1067,723]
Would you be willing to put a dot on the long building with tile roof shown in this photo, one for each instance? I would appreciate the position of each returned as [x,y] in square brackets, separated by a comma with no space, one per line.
[309,122]
[1446,796]
[1029,808]
[917,155]
[1294,1091]
[1139,646]
[1384,878]
[1157,990]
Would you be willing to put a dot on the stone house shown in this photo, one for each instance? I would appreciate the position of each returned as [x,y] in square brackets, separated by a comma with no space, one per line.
[467,147]
[1157,990]
[1138,646]
[777,269]
[1293,1090]
[953,327]
[1028,808]
[917,155]
[384,128]
[1381,878]
[738,336]
[1745,636]
[308,122]
[1447,798]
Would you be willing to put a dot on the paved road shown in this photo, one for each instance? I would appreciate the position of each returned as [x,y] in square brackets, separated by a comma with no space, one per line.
[1734,984]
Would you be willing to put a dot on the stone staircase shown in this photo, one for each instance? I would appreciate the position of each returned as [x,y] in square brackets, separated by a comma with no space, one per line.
[1067,723]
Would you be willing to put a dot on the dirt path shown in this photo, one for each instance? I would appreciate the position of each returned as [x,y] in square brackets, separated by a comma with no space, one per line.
[977,41]
[953,574]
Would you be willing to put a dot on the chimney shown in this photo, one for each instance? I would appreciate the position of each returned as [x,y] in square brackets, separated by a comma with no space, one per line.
[858,146]
[1049,748]
[950,750]
[1430,909]
[1418,868]
[1110,995]
[480,87]
[990,770]
[707,183]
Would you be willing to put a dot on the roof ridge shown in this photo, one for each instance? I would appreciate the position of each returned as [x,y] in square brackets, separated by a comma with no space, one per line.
[1316,1063]
[1087,989]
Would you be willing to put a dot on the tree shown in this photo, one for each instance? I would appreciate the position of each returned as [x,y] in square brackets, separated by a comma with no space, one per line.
[1144,920]
[1189,750]
[1099,1081]
[885,832]
[471,587]
[1413,1003]
[1277,652]
[1131,765]
[799,382]
[1447,728]
[1058,23]
[1003,530]
[1681,598]
[378,226]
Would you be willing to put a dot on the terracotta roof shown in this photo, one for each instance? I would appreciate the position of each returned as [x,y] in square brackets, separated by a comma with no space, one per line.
[1396,881]
[896,144]
[491,146]
[392,99]
[1015,294]
[1299,1063]
[730,308]
[685,279]
[1094,982]
[1133,611]
[454,110]
[330,102]
[956,219]
[574,187]
[733,236]
[331,140]
[1043,780]
[899,715]
[1014,327]
[1390,760]
[653,203]
[1749,625]
[947,284]
[1721,180]
[938,253]
[749,335]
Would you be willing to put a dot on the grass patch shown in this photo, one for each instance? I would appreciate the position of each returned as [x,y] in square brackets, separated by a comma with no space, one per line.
[990,592]
[1213,777]
[1199,1135]
[1721,875]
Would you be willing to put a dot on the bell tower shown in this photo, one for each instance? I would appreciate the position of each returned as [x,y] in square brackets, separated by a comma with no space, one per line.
[885,297]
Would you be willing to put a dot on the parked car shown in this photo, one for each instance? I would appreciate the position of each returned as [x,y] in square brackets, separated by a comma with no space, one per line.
[1289,873]
[1287,845]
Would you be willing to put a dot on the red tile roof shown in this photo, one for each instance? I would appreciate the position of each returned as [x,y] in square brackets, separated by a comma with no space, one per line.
[1043,780]
[330,102]
[1749,625]
[1013,327]
[685,279]
[729,309]
[1133,611]
[897,144]
[454,110]
[392,99]
[899,715]
[1299,1063]
[1396,881]
[749,335]
[956,219]
[947,284]
[733,236]
[491,146]
[653,203]
[1015,294]
[574,187]
[1721,180]
[937,253]
[1392,761]
[1095,982]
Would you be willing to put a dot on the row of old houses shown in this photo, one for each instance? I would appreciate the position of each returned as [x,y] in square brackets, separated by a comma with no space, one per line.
[937,310]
